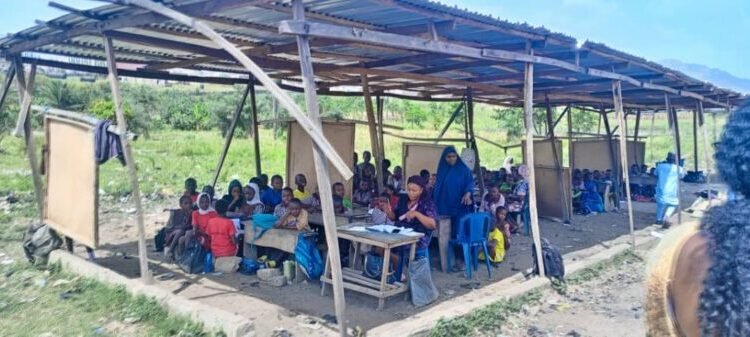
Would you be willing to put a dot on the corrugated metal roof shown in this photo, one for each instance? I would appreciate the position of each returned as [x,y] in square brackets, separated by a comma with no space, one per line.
[253,27]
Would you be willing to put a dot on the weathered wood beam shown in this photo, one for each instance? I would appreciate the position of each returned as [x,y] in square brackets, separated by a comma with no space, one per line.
[25,89]
[7,82]
[565,202]
[85,13]
[122,125]
[706,154]
[230,133]
[674,125]
[617,97]
[455,66]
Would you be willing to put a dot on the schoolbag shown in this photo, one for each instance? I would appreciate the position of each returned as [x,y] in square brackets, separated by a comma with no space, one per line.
[160,240]
[38,241]
[307,256]
[554,267]
[193,259]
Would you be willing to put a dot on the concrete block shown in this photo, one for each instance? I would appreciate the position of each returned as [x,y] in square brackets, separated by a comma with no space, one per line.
[268,273]
[277,281]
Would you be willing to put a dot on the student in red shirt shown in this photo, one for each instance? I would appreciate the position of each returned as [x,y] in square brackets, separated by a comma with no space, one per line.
[200,219]
[222,232]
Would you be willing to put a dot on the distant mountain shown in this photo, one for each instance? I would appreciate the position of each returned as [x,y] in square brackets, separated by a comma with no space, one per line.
[718,77]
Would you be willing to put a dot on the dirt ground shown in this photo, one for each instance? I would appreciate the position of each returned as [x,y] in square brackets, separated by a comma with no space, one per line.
[302,303]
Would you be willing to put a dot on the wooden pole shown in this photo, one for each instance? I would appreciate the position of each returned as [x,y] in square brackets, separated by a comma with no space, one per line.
[706,155]
[455,113]
[466,123]
[26,92]
[612,158]
[381,141]
[230,134]
[674,123]
[617,96]
[571,154]
[528,109]
[312,129]
[256,135]
[695,139]
[122,125]
[635,136]
[321,171]
[651,132]
[7,82]
[564,201]
[374,146]
[275,112]
[473,141]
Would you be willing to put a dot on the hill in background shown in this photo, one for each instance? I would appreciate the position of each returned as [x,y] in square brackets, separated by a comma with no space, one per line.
[718,77]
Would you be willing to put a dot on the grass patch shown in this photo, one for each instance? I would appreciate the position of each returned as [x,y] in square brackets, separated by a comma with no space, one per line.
[34,301]
[597,269]
[487,320]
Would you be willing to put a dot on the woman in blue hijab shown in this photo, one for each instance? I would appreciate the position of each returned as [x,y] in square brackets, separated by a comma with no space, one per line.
[453,187]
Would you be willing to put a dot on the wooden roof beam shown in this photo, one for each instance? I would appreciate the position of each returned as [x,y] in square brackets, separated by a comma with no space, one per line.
[85,13]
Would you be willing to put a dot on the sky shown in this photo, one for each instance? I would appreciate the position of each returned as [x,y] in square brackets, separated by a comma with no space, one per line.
[712,33]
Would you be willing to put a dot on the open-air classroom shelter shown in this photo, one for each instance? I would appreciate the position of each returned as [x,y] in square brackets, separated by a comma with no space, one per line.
[412,49]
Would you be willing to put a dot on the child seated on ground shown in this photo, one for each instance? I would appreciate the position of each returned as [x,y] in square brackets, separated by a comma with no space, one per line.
[234,197]
[295,217]
[506,187]
[177,225]
[363,195]
[200,218]
[338,206]
[492,200]
[286,196]
[190,189]
[499,238]
[224,240]
[340,190]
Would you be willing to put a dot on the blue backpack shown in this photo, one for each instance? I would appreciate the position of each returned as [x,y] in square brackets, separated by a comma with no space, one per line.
[307,256]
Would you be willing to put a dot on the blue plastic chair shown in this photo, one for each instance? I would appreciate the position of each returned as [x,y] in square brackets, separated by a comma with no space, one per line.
[473,232]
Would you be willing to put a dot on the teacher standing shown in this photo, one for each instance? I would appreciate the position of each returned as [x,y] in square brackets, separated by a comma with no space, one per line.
[453,187]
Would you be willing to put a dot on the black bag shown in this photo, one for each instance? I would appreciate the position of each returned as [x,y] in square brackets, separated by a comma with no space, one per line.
[38,241]
[193,258]
[553,261]
[160,240]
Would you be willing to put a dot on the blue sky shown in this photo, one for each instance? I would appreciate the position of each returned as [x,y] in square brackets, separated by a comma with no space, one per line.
[712,33]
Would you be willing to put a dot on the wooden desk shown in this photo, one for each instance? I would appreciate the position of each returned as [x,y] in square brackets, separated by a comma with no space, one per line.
[356,214]
[354,280]
[281,239]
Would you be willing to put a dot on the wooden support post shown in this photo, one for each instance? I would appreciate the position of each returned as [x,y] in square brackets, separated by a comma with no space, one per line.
[528,109]
[374,146]
[381,125]
[651,132]
[695,139]
[612,159]
[455,113]
[706,155]
[321,171]
[635,135]
[564,201]
[230,133]
[617,96]
[466,123]
[275,113]
[26,92]
[7,82]
[473,141]
[122,125]
[674,124]
[571,154]
[254,124]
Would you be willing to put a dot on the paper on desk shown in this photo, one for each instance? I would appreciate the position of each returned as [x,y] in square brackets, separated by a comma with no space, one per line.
[357,229]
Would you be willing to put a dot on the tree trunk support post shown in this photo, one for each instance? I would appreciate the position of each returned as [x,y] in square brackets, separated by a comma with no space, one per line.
[651,131]
[7,82]
[617,96]
[706,146]
[23,127]
[379,103]
[254,121]
[528,109]
[635,136]
[473,141]
[571,154]
[321,168]
[230,132]
[613,160]
[564,201]
[371,123]
[122,126]
[695,139]
[674,123]
[455,114]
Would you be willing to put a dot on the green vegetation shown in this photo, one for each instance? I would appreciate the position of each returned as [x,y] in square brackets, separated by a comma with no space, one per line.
[34,301]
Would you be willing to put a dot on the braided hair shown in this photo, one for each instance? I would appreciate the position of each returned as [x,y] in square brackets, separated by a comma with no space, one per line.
[725,301]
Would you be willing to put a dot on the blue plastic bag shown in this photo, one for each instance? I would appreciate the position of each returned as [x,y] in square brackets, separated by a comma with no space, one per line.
[249,266]
[308,257]
[262,223]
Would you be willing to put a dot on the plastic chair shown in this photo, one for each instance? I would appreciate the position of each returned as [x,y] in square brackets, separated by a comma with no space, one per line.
[473,232]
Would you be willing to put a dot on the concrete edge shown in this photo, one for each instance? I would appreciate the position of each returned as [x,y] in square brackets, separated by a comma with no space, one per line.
[212,318]
[510,287]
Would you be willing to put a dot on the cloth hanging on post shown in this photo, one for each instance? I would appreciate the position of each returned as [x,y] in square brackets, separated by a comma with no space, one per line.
[107,144]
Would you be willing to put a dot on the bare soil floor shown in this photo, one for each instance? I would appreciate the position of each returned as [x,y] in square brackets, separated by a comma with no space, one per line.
[302,303]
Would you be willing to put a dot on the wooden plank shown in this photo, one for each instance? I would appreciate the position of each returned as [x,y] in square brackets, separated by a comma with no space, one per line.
[380,102]
[122,124]
[7,82]
[564,201]
[306,122]
[617,97]
[635,134]
[616,176]
[230,133]
[473,141]
[528,109]
[384,276]
[26,90]
[695,140]
[321,171]
[455,113]
[706,155]
[675,128]
[373,132]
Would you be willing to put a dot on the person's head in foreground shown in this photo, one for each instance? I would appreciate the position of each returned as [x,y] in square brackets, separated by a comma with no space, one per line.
[725,299]
[295,207]
[366,156]
[221,207]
